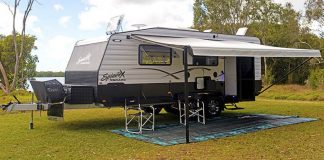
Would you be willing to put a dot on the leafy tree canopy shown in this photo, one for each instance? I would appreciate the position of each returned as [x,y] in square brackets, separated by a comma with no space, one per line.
[272,23]
[28,62]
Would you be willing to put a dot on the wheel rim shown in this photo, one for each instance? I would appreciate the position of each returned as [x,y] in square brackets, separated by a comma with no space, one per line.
[213,107]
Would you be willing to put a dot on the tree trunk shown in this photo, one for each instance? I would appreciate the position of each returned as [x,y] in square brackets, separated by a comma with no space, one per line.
[23,34]
[266,75]
[14,35]
[265,70]
[4,86]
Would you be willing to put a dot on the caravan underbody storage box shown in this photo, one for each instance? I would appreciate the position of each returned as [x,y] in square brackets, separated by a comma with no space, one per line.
[80,94]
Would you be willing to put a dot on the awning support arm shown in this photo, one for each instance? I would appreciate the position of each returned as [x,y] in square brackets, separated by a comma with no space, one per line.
[186,94]
[283,77]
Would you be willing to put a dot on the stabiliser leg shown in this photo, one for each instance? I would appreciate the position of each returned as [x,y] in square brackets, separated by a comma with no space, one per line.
[31,124]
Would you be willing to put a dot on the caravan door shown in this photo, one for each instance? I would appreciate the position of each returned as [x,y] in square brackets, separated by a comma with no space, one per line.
[240,78]
[245,78]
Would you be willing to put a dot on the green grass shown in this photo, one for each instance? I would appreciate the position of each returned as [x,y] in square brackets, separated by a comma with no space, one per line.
[22,95]
[294,92]
[84,134]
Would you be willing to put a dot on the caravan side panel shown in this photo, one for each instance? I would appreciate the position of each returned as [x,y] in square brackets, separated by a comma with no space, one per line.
[120,75]
[84,63]
[258,78]
[230,76]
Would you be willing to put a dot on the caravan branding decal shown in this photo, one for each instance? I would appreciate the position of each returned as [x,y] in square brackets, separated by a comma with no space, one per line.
[119,76]
[84,60]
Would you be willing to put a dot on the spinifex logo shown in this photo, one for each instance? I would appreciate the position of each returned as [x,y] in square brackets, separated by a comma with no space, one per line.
[119,76]
[84,60]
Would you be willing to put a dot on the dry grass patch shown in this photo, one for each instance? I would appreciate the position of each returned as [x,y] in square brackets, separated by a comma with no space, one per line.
[294,92]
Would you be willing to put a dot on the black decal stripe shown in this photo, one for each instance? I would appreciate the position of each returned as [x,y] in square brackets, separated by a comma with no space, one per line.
[172,74]
[168,74]
[191,69]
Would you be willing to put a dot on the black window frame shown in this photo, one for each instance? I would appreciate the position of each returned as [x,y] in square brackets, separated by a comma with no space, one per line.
[139,55]
[193,56]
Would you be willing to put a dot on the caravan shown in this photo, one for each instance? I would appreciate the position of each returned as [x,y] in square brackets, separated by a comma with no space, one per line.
[160,68]
[148,66]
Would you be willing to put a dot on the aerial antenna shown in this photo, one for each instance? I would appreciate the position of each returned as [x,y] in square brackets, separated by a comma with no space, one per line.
[115,25]
[139,26]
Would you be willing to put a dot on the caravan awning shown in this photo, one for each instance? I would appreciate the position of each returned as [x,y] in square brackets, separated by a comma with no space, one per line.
[203,47]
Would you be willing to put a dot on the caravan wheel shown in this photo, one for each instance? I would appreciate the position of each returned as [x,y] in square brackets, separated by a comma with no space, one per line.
[213,107]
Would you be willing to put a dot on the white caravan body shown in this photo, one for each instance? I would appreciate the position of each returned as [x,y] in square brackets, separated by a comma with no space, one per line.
[148,64]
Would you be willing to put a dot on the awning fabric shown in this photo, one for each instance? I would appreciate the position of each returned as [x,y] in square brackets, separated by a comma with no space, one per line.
[203,47]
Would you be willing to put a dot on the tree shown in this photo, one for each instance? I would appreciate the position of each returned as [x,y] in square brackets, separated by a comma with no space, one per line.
[272,23]
[7,86]
[219,15]
[226,16]
[200,15]
[315,11]
[27,63]
[285,31]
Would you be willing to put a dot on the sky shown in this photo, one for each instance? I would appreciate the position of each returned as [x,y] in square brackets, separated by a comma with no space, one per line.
[59,24]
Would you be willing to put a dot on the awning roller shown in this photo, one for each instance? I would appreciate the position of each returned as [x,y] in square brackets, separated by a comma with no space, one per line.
[203,47]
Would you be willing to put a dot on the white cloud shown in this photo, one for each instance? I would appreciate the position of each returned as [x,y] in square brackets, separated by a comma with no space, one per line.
[6,22]
[164,13]
[63,21]
[33,28]
[58,7]
[55,53]
[298,5]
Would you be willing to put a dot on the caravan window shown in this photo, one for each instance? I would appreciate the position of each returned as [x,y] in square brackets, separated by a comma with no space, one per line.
[154,55]
[204,61]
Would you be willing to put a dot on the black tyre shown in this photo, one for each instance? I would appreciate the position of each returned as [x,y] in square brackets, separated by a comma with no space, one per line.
[213,107]
[149,109]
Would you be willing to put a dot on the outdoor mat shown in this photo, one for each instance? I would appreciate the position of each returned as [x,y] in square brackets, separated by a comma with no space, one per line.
[172,134]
